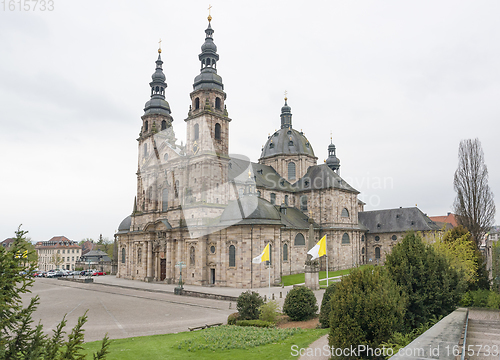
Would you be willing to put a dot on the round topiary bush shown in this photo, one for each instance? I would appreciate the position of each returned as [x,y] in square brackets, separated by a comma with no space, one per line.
[248,305]
[300,304]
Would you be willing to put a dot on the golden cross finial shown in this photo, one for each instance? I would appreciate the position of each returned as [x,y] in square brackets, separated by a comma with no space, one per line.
[209,16]
[331,136]
[159,46]
[286,92]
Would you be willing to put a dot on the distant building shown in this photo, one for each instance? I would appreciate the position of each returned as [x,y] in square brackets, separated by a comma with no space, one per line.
[59,246]
[88,246]
[95,259]
[448,219]
[387,227]
[486,247]
[7,243]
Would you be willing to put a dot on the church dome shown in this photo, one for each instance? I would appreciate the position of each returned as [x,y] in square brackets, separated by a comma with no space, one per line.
[287,141]
[253,208]
[125,224]
[157,105]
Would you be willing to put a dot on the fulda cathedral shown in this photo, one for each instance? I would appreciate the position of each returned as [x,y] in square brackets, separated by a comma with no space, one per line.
[213,212]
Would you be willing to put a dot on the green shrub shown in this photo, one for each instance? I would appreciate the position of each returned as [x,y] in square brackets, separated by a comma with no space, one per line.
[256,323]
[481,298]
[248,305]
[231,319]
[433,287]
[324,313]
[367,307]
[493,300]
[269,311]
[300,304]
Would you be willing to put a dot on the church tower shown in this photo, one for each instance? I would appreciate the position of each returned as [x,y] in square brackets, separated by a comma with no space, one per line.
[156,118]
[208,121]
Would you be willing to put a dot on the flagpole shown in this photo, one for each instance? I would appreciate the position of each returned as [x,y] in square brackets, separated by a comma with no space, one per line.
[326,249]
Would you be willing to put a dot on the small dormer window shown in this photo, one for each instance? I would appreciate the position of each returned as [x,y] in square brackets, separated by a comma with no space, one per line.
[275,134]
[271,146]
[307,144]
[289,132]
[306,183]
[290,143]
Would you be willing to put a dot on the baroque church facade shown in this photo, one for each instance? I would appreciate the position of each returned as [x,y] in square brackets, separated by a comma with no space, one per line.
[208,213]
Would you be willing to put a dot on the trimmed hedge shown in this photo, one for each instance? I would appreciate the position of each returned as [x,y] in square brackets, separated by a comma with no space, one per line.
[248,305]
[255,323]
[326,307]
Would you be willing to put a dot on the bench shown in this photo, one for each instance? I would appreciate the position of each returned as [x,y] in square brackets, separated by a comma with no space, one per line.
[203,326]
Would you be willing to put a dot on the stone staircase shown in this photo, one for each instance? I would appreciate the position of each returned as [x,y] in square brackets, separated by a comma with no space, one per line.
[483,335]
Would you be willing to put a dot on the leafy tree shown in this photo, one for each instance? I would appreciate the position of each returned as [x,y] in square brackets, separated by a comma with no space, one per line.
[433,286]
[474,205]
[300,304]
[367,307]
[457,246]
[19,340]
[57,260]
[248,305]
[324,313]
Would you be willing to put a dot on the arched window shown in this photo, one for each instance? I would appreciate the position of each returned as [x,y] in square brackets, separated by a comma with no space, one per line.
[303,202]
[259,193]
[299,239]
[273,198]
[291,170]
[232,256]
[192,258]
[197,103]
[165,157]
[362,238]
[217,131]
[123,255]
[394,237]
[176,189]
[139,255]
[362,251]
[217,103]
[146,125]
[345,239]
[345,213]
[164,200]
[163,125]
[196,131]
[286,199]
[377,253]
[285,252]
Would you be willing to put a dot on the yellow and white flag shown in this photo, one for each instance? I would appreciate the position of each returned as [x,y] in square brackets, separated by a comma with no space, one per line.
[319,249]
[262,257]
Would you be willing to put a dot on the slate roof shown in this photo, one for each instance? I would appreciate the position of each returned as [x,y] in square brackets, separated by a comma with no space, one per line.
[317,177]
[7,242]
[250,210]
[396,220]
[95,254]
[287,141]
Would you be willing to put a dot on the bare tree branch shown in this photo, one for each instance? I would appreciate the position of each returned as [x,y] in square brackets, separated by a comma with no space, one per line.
[474,205]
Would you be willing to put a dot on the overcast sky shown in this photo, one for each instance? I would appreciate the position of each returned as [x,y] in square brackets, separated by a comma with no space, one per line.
[398,84]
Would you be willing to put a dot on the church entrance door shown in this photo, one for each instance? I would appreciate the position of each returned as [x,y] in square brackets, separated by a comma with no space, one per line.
[163,269]
[212,276]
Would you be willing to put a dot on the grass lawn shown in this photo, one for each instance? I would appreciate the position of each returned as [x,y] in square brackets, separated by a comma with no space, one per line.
[300,278]
[213,343]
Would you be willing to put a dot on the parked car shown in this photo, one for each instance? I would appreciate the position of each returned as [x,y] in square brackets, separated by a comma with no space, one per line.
[98,273]
[51,273]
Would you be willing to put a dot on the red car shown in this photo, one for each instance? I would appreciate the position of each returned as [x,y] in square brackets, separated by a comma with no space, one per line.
[97,273]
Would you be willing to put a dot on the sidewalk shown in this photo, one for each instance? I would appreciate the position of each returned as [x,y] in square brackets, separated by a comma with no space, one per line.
[111,280]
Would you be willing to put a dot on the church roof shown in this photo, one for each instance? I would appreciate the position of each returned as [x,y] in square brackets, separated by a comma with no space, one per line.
[125,225]
[250,209]
[322,177]
[396,220]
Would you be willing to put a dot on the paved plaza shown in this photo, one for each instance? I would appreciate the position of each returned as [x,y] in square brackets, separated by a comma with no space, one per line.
[125,308]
